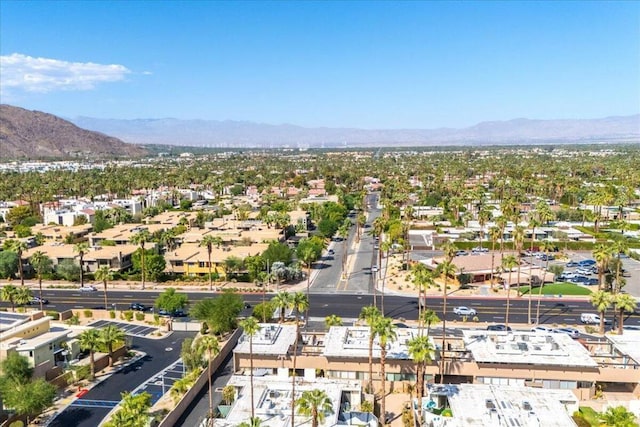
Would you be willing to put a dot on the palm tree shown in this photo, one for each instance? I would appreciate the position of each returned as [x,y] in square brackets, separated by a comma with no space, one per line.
[619,247]
[422,280]
[104,274]
[281,300]
[446,269]
[253,422]
[508,263]
[250,327]
[518,238]
[208,242]
[533,223]
[23,295]
[429,317]
[8,294]
[18,246]
[618,416]
[109,336]
[602,255]
[81,249]
[299,303]
[494,235]
[601,301]
[546,246]
[369,314]
[212,346]
[42,264]
[624,303]
[384,330]
[91,340]
[422,352]
[332,320]
[308,256]
[316,404]
[141,238]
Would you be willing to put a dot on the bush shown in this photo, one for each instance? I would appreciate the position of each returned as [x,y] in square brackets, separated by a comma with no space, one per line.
[74,320]
[139,316]
[53,313]
[112,314]
[88,313]
[127,315]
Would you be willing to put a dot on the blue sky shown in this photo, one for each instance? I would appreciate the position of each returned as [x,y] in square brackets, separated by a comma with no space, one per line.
[347,64]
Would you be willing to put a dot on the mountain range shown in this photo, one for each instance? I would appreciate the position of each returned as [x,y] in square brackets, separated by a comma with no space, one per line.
[214,133]
[36,135]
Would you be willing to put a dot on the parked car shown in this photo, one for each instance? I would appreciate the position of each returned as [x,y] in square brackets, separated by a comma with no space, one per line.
[330,252]
[572,332]
[592,281]
[374,268]
[462,253]
[465,311]
[499,328]
[542,330]
[572,264]
[37,300]
[586,263]
[138,307]
[176,313]
[479,250]
[88,288]
[545,257]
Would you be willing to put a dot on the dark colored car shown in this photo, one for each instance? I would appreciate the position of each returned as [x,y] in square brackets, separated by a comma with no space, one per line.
[176,313]
[138,307]
[498,328]
[37,300]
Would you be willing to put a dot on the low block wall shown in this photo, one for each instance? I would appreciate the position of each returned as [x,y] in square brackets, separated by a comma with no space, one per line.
[172,417]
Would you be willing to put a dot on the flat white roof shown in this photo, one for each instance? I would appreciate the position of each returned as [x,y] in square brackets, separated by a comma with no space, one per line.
[272,397]
[528,348]
[507,406]
[271,339]
[353,341]
[627,343]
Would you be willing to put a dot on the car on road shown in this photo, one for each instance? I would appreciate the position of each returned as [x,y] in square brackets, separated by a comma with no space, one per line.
[499,328]
[374,268]
[330,251]
[136,306]
[542,329]
[462,253]
[478,249]
[38,300]
[175,313]
[465,311]
[592,319]
[572,332]
[88,288]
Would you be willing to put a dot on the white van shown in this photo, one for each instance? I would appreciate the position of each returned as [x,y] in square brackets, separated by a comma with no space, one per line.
[591,319]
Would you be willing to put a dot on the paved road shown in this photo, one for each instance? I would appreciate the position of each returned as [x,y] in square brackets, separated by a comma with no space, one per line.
[158,357]
[349,305]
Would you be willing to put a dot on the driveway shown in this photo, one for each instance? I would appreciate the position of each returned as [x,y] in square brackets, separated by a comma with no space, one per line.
[89,410]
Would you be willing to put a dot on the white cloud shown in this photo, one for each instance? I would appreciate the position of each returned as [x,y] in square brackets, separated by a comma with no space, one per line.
[44,75]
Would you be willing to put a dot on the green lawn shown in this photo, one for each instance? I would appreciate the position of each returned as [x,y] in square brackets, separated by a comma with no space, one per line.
[559,289]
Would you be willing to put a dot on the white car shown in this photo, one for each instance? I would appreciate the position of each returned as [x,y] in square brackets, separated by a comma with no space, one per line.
[88,288]
[542,330]
[572,332]
[464,311]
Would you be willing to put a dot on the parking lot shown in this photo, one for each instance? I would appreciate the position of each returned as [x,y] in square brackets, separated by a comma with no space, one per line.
[161,383]
[128,328]
[10,319]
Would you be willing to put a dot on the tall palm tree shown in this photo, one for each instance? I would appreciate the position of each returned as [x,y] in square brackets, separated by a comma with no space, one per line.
[501,223]
[250,327]
[384,330]
[422,280]
[316,404]
[618,248]
[81,249]
[546,246]
[508,263]
[42,264]
[446,269]
[533,223]
[518,239]
[8,294]
[601,301]
[212,347]
[141,238]
[208,242]
[429,317]
[18,246]
[369,314]
[494,235]
[23,295]
[281,300]
[624,303]
[602,255]
[308,256]
[109,336]
[299,303]
[422,352]
[333,320]
[104,274]
[90,340]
